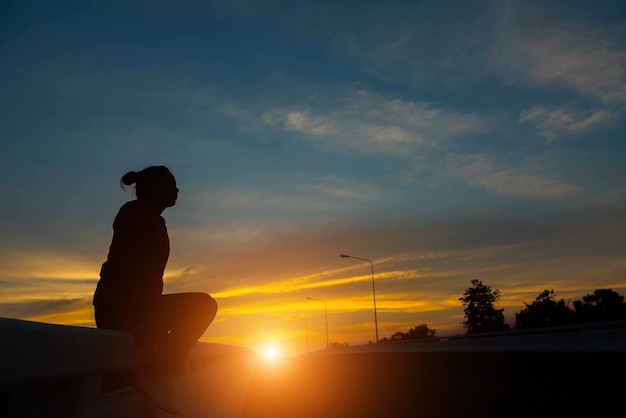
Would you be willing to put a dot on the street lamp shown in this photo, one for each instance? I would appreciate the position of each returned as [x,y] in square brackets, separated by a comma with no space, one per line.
[326,316]
[306,331]
[373,287]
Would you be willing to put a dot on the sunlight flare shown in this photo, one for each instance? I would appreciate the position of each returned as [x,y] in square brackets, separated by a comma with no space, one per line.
[271,352]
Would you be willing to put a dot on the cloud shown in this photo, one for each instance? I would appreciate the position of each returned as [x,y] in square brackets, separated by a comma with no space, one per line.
[420,46]
[48,285]
[422,270]
[522,179]
[342,188]
[296,261]
[46,263]
[250,211]
[420,136]
[36,308]
[369,123]
[555,121]
[528,47]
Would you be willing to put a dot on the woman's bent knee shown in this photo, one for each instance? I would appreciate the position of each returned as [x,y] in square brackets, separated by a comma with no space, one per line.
[208,306]
[200,306]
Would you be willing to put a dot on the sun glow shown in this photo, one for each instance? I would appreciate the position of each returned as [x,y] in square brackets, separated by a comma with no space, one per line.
[271,352]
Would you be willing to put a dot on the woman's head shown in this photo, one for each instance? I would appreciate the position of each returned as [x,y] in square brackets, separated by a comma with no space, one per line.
[156,184]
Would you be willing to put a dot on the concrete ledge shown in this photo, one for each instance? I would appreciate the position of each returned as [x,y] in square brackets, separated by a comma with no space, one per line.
[33,351]
[57,371]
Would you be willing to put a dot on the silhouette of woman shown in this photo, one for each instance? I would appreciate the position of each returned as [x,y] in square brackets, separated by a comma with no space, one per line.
[129,293]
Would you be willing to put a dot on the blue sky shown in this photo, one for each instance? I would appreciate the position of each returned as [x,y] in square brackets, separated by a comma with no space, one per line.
[445,142]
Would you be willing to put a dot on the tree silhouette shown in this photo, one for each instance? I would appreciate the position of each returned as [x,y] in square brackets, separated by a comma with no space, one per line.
[418,332]
[544,311]
[421,331]
[480,312]
[602,305]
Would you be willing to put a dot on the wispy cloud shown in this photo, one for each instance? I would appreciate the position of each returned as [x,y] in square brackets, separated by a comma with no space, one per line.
[521,258]
[588,60]
[523,179]
[76,311]
[36,307]
[47,264]
[370,123]
[296,195]
[555,121]
[341,187]
[422,135]
[405,46]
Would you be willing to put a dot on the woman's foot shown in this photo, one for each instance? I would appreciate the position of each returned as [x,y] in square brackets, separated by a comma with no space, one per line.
[153,389]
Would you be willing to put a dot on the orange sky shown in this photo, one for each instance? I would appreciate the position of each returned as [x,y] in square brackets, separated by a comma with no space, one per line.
[263,298]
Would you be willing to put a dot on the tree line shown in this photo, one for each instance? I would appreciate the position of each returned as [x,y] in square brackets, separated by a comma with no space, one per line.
[481,315]
[415,333]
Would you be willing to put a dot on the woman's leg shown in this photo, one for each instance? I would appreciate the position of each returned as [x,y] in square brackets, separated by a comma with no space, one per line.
[130,315]
[182,319]
[116,317]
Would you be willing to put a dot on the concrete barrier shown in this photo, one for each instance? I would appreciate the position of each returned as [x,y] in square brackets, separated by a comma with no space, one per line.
[50,371]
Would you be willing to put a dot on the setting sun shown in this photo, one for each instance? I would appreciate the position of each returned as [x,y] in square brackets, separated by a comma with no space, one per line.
[270,352]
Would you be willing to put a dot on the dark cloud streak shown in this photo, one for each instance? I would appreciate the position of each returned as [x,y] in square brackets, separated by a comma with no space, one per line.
[37,307]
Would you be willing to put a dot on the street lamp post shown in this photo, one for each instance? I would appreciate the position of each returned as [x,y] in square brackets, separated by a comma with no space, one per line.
[326,316]
[373,286]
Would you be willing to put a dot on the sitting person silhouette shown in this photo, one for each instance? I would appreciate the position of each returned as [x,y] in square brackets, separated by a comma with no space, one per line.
[129,293]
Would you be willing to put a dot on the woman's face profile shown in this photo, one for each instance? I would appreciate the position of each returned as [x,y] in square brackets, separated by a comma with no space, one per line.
[169,191]
[158,187]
